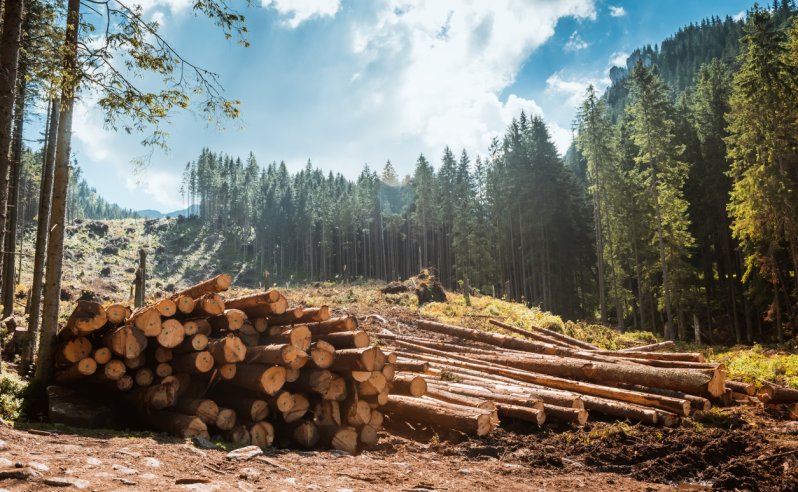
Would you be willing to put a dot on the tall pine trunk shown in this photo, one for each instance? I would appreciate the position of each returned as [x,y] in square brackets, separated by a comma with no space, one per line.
[42,226]
[55,244]
[9,57]
[12,213]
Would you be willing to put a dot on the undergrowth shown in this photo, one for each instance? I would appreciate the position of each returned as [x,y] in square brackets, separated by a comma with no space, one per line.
[12,391]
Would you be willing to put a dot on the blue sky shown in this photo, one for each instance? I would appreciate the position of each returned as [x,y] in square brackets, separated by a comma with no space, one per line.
[347,83]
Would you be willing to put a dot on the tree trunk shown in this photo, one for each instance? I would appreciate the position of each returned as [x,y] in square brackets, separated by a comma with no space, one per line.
[141,279]
[12,214]
[55,246]
[9,56]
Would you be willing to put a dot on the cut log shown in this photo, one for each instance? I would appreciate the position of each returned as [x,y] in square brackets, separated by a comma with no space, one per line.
[194,363]
[565,338]
[299,407]
[209,305]
[280,402]
[163,369]
[262,434]
[346,339]
[261,325]
[77,371]
[537,336]
[374,385]
[178,424]
[534,415]
[117,313]
[226,419]
[74,350]
[227,350]
[778,394]
[163,354]
[271,354]
[368,435]
[125,383]
[192,343]
[409,385]
[259,378]
[337,390]
[113,370]
[407,365]
[87,317]
[671,356]
[748,389]
[575,416]
[327,413]
[473,391]
[356,412]
[653,347]
[126,341]
[230,320]
[254,300]
[333,325]
[219,283]
[289,316]
[147,319]
[166,307]
[207,410]
[253,409]
[630,411]
[102,355]
[322,357]
[197,325]
[299,336]
[228,371]
[158,396]
[144,376]
[657,401]
[429,411]
[185,304]
[306,434]
[363,359]
[345,439]
[172,333]
[238,435]
[301,316]
[313,380]
[697,403]
[688,381]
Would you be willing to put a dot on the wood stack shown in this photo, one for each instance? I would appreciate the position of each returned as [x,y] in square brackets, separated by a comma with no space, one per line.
[549,376]
[250,369]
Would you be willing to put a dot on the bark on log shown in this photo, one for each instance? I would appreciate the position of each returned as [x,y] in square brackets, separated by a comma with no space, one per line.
[219,283]
[230,320]
[238,435]
[563,339]
[535,336]
[299,336]
[346,339]
[688,381]
[306,434]
[209,305]
[194,363]
[425,410]
[672,356]
[697,403]
[409,385]
[207,410]
[333,325]
[262,434]
[228,371]
[87,317]
[177,424]
[631,411]
[147,319]
[77,371]
[226,419]
[536,416]
[653,347]
[271,354]
[228,350]
[364,359]
[116,313]
[259,378]
[299,408]
[779,394]
[192,343]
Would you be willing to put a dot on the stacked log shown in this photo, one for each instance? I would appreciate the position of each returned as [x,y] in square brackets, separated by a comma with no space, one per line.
[249,369]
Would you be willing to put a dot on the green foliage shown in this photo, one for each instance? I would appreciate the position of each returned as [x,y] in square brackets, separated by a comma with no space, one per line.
[12,391]
[758,364]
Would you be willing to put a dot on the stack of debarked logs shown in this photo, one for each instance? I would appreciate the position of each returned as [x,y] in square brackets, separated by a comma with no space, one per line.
[249,369]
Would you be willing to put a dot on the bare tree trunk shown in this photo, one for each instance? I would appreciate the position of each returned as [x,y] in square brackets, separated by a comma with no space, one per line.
[42,226]
[9,56]
[12,215]
[55,246]
[662,257]
[141,279]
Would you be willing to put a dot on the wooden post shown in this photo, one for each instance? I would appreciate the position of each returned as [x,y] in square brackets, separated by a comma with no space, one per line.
[466,290]
[697,330]
[141,279]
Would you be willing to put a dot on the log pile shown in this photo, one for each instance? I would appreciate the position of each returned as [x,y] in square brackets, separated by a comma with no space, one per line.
[249,369]
[254,370]
[548,376]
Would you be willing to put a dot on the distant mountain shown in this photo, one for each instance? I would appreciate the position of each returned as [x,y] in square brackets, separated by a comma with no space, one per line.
[155,214]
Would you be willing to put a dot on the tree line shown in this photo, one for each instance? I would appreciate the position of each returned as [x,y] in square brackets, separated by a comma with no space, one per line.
[674,210]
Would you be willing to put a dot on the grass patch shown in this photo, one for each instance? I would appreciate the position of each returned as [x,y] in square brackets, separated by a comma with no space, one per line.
[757,363]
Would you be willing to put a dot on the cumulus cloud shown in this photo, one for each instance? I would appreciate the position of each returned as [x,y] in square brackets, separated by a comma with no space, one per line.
[575,43]
[299,11]
[618,59]
[573,89]
[617,11]
[447,89]
[739,16]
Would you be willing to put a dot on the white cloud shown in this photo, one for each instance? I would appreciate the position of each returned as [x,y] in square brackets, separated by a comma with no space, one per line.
[739,15]
[161,185]
[575,43]
[618,59]
[303,10]
[561,137]
[573,89]
[617,11]
[446,89]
